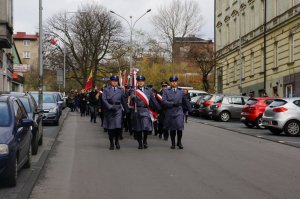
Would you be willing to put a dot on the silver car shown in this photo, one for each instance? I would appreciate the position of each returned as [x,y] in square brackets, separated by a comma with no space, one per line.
[226,107]
[283,115]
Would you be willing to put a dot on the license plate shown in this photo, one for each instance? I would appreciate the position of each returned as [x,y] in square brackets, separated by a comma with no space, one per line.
[209,113]
[243,118]
[265,122]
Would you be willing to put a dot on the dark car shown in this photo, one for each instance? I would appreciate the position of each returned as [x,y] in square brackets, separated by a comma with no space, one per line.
[15,139]
[252,112]
[196,105]
[34,114]
[206,103]
[228,107]
[51,107]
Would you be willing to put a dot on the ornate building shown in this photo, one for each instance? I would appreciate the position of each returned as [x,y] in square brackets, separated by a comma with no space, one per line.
[258,47]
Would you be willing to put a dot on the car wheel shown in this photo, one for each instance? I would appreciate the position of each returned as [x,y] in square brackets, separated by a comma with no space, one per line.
[258,123]
[292,128]
[13,176]
[224,116]
[249,125]
[276,131]
[28,162]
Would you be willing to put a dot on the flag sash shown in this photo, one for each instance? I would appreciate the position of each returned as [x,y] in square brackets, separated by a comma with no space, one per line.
[159,97]
[144,98]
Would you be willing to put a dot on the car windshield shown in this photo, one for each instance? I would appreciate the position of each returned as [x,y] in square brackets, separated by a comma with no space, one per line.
[47,98]
[194,99]
[207,97]
[25,102]
[4,114]
[218,99]
[251,101]
[278,102]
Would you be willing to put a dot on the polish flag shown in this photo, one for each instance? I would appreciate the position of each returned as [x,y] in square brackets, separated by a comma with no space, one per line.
[89,82]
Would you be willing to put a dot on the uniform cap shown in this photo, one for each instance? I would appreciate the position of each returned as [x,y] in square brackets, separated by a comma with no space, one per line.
[173,79]
[164,84]
[114,78]
[140,78]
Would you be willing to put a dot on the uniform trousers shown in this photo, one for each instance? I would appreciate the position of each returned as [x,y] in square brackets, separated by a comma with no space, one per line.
[173,136]
[114,134]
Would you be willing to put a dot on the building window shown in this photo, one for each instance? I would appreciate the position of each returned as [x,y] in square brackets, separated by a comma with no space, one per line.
[291,48]
[235,70]
[243,67]
[227,71]
[275,55]
[252,63]
[289,90]
[26,55]
[26,42]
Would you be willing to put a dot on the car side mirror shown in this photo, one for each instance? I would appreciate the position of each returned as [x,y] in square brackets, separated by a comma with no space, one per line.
[25,122]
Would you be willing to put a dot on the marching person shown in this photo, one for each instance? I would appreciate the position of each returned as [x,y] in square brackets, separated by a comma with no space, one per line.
[114,103]
[82,102]
[141,120]
[173,101]
[93,104]
[161,116]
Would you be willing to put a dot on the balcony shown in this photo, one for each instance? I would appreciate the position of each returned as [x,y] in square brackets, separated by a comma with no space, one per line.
[5,36]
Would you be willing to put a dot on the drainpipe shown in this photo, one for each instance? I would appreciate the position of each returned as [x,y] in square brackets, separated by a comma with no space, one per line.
[265,45]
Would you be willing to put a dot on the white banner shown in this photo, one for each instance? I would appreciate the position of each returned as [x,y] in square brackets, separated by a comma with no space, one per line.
[21,68]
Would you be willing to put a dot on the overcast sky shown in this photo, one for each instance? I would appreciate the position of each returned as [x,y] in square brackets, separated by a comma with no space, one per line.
[26,12]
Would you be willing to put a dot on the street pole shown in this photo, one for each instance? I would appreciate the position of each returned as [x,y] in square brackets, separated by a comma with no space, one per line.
[131,28]
[240,50]
[41,69]
[65,27]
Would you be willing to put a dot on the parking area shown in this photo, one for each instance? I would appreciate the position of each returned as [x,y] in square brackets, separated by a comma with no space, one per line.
[237,126]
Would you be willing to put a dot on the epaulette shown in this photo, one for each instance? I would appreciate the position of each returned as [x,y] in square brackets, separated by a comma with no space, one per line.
[179,88]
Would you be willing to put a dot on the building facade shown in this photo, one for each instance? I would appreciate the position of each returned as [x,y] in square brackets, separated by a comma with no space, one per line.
[6,31]
[258,47]
[28,48]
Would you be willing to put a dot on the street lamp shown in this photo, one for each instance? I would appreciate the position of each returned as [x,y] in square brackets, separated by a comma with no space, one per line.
[131,28]
[65,32]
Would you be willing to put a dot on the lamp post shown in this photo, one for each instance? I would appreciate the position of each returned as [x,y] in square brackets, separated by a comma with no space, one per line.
[65,32]
[41,68]
[131,28]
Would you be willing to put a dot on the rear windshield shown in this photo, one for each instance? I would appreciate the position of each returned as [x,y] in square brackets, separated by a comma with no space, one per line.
[47,98]
[25,102]
[251,101]
[4,114]
[218,99]
[207,97]
[194,99]
[278,102]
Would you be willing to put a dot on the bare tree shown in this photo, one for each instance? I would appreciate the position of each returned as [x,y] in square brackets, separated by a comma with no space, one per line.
[204,58]
[89,36]
[177,19]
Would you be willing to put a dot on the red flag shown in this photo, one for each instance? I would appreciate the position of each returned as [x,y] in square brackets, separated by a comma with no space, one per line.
[125,78]
[53,41]
[89,82]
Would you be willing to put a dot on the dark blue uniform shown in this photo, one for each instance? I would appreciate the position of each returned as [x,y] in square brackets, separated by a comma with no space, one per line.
[173,102]
[114,104]
[141,118]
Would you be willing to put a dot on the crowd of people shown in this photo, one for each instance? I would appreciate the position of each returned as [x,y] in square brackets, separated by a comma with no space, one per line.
[141,111]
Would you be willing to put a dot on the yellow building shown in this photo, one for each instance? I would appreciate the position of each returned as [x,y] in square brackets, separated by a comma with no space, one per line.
[28,48]
[242,64]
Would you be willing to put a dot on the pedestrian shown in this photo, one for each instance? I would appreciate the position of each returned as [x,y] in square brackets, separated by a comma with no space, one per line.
[173,101]
[185,109]
[141,120]
[114,103]
[162,132]
[93,103]
[82,102]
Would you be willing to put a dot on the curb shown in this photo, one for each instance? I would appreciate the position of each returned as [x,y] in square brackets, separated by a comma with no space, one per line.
[38,167]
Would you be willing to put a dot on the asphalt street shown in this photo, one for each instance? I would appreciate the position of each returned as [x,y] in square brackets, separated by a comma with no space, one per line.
[215,163]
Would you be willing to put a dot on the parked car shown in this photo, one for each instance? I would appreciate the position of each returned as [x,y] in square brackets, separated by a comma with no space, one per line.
[196,105]
[15,139]
[206,102]
[59,99]
[51,107]
[34,114]
[194,93]
[227,107]
[252,112]
[283,115]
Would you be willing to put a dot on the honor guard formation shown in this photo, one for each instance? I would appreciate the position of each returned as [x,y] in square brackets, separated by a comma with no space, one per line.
[138,110]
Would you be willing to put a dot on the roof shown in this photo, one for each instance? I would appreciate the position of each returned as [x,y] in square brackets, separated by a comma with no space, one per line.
[191,39]
[23,35]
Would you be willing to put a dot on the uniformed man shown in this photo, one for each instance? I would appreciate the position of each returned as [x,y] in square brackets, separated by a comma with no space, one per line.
[161,130]
[141,120]
[173,101]
[114,103]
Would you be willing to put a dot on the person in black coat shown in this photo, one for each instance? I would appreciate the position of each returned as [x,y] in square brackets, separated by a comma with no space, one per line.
[82,102]
[93,104]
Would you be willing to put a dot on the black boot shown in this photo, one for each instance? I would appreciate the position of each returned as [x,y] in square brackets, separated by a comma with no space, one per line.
[117,135]
[111,139]
[145,144]
[172,135]
[179,136]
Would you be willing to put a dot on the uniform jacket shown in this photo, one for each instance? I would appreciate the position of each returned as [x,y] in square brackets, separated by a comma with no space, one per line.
[113,102]
[173,103]
[141,118]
